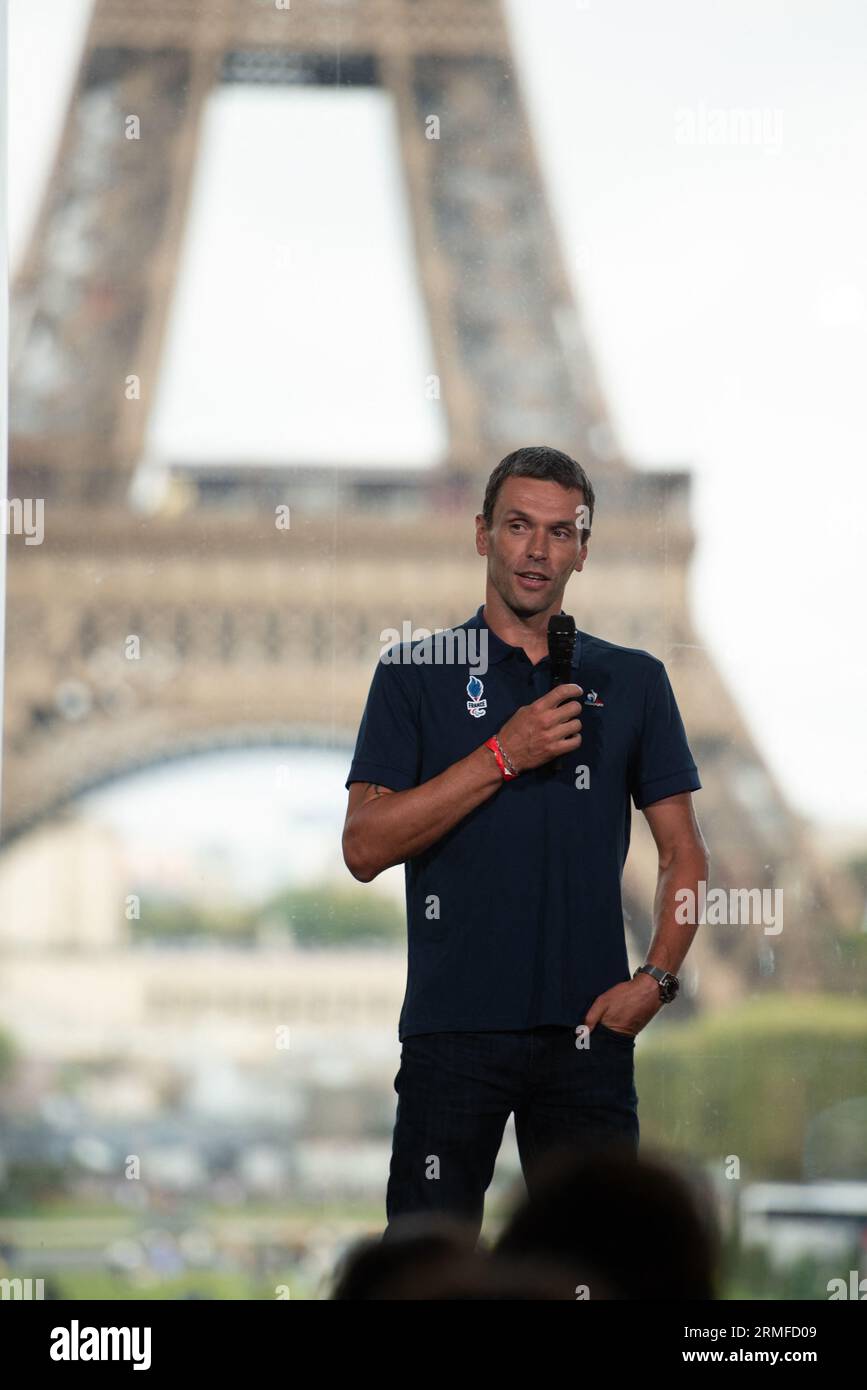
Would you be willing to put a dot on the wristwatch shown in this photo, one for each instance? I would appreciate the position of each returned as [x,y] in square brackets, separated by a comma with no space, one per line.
[668,984]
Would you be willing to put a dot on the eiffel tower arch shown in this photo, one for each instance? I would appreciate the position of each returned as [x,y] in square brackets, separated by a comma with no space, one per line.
[251,633]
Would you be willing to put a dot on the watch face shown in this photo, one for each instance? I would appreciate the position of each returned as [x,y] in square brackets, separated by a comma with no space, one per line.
[669,985]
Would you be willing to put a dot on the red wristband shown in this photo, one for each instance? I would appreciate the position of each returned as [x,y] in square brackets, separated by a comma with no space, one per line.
[492,744]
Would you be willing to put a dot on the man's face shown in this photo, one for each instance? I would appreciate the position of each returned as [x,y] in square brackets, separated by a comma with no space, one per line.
[536,530]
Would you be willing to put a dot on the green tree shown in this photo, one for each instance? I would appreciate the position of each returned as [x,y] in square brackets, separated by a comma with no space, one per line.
[325,916]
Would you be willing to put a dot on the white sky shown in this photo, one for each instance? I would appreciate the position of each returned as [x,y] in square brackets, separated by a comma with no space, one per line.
[725,288]
[298,238]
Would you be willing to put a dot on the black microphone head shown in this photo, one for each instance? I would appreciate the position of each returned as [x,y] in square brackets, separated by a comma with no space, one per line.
[561,645]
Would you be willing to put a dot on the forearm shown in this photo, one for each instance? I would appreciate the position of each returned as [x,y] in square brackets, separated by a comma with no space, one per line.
[671,938]
[388,830]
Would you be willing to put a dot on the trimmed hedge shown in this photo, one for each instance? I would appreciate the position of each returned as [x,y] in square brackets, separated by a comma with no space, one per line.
[780,1081]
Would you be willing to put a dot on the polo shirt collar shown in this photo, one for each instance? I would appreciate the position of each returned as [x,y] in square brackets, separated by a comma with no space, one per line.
[498,650]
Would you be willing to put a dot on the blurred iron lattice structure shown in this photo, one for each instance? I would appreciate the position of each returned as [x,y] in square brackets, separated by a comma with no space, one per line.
[253,635]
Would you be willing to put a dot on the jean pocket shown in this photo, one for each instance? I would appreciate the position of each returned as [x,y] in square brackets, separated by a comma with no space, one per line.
[627,1038]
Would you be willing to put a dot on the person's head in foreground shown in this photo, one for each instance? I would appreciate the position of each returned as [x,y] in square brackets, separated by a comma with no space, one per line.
[649,1230]
[434,1257]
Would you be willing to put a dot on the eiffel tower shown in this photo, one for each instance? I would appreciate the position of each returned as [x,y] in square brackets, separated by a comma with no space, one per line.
[248,640]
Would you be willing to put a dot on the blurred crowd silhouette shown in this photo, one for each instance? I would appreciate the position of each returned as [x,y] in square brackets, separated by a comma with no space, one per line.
[597,1224]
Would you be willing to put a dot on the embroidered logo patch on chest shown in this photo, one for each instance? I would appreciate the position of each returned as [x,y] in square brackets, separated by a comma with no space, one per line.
[475,704]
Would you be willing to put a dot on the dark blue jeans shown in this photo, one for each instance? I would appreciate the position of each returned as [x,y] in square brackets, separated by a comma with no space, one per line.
[457,1090]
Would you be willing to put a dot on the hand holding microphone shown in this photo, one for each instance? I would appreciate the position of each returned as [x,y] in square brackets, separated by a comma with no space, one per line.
[541,731]
[538,732]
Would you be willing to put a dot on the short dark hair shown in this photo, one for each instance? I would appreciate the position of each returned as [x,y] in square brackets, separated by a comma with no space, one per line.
[538,461]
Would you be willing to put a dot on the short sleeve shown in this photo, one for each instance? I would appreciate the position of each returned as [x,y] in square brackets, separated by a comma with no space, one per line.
[663,764]
[388,747]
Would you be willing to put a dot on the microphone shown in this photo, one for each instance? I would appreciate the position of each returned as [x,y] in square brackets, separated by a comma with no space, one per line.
[561,645]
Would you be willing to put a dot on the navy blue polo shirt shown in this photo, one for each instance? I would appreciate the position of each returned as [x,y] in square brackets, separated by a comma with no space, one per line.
[515,917]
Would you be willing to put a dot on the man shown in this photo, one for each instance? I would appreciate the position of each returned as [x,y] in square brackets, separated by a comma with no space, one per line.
[519,997]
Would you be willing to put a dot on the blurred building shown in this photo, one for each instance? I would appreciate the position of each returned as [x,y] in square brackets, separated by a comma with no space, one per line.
[62,888]
[158,1003]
